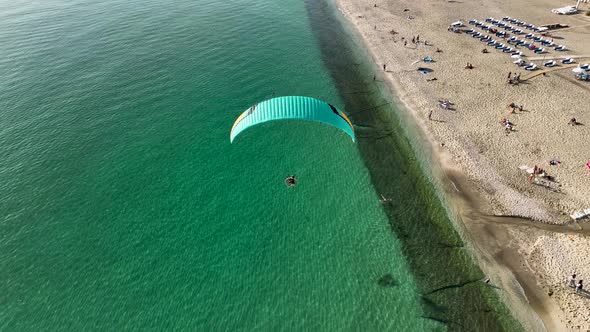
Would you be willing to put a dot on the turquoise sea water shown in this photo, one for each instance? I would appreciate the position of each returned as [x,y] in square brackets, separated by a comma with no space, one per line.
[124,206]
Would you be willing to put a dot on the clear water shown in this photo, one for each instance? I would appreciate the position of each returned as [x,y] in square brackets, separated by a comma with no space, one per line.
[124,206]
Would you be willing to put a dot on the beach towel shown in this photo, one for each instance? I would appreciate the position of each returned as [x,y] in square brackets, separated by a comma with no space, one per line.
[527,169]
[588,164]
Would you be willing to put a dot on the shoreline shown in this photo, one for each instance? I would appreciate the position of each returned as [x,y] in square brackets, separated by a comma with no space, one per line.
[496,243]
[444,271]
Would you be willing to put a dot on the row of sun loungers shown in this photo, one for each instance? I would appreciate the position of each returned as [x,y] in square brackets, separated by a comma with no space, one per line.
[507,26]
[550,63]
[516,41]
[504,48]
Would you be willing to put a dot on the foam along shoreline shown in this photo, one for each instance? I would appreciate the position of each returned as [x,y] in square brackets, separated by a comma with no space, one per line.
[468,143]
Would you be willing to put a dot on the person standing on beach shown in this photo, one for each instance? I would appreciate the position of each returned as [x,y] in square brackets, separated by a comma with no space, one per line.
[418,39]
[572,280]
[384,67]
[579,286]
[509,74]
[430,115]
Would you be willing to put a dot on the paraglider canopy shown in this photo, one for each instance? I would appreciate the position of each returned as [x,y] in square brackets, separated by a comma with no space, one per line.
[292,107]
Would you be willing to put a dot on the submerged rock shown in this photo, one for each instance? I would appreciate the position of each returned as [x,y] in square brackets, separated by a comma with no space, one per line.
[387,280]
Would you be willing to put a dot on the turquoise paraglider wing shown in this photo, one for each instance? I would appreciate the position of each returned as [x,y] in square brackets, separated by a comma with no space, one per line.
[292,107]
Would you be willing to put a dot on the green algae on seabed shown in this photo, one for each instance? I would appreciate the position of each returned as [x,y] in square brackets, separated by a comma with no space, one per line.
[450,283]
[125,206]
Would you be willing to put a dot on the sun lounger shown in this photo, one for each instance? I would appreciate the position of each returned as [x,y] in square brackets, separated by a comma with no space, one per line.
[560,48]
[577,215]
[531,67]
[539,51]
[585,66]
[520,62]
[537,39]
[567,61]
[551,63]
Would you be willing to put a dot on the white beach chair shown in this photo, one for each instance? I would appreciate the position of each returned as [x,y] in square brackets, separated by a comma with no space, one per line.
[577,215]
[567,61]
[550,63]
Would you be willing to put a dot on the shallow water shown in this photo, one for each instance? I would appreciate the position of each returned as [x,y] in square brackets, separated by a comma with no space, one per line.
[125,206]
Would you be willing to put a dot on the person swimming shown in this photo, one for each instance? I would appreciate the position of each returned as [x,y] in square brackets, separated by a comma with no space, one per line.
[291,181]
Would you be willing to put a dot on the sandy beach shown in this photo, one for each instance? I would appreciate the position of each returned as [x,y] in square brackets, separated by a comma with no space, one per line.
[469,139]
